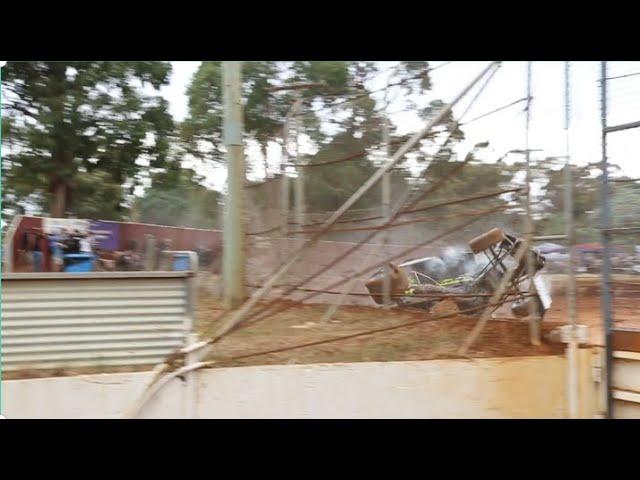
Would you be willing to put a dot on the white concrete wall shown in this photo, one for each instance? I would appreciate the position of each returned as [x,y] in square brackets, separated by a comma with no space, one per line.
[522,387]
[494,388]
[86,396]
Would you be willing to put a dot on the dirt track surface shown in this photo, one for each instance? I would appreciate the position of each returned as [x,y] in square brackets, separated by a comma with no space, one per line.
[626,304]
[429,340]
[440,338]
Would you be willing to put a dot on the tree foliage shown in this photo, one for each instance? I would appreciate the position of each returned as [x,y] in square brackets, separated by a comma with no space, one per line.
[264,111]
[182,202]
[586,198]
[80,136]
[97,195]
[66,117]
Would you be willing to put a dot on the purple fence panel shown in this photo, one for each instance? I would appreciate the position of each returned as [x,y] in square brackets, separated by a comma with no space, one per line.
[107,234]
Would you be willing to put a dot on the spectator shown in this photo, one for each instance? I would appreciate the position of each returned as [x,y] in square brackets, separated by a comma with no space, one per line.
[85,244]
[68,243]
[129,259]
[163,259]
[64,241]
[28,245]
[92,238]
[57,253]
[167,257]
[38,250]
[75,242]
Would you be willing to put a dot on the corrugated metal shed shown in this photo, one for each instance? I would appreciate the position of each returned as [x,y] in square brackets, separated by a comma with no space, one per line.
[63,320]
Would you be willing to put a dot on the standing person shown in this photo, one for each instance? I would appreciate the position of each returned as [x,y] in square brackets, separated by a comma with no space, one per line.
[65,245]
[92,238]
[85,244]
[129,260]
[159,250]
[38,252]
[162,262]
[68,242]
[77,236]
[57,252]
[28,244]
[165,263]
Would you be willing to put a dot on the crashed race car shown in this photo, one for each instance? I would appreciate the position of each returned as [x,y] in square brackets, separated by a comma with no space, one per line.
[470,277]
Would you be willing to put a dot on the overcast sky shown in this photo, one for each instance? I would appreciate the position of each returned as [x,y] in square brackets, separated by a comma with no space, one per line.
[506,130]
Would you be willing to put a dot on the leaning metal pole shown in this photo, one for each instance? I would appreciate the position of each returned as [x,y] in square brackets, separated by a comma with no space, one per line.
[605,224]
[572,351]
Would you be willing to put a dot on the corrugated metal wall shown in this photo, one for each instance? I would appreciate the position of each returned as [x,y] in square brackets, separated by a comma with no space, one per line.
[100,319]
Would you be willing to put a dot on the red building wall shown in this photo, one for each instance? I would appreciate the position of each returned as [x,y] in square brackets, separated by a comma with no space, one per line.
[181,238]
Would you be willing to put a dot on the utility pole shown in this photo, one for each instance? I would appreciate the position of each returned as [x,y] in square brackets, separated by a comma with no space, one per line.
[605,224]
[534,318]
[572,351]
[284,163]
[284,194]
[299,185]
[298,193]
[233,271]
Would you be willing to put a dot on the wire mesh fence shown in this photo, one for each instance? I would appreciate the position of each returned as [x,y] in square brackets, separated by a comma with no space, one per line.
[444,193]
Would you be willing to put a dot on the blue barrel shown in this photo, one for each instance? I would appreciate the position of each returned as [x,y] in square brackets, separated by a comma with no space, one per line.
[79,262]
[181,262]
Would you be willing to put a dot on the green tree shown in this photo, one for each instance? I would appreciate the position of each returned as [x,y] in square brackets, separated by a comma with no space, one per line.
[446,207]
[65,118]
[328,186]
[586,199]
[97,195]
[179,201]
[264,111]
[625,211]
